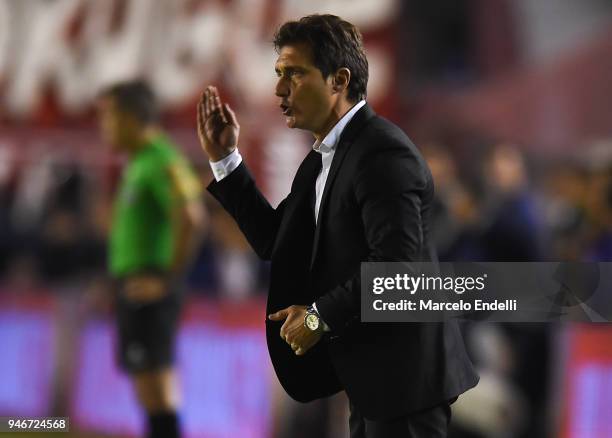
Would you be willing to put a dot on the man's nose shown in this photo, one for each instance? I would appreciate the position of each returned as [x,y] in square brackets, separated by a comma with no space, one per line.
[282,88]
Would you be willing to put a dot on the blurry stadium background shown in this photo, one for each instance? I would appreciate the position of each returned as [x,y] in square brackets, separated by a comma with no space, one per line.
[509,100]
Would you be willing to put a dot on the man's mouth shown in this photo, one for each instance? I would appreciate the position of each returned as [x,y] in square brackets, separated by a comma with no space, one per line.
[287,111]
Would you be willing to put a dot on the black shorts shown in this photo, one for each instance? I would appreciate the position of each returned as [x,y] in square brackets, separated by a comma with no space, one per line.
[147,332]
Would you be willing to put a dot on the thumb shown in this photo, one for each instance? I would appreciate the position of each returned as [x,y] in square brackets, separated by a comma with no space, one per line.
[280,315]
[230,115]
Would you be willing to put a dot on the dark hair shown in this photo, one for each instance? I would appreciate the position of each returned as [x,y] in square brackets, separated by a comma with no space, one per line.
[335,44]
[134,97]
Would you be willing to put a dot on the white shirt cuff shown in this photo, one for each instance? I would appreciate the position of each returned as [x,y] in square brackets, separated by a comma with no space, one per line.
[325,326]
[225,166]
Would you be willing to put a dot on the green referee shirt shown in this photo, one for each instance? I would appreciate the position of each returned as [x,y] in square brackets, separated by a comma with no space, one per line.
[157,181]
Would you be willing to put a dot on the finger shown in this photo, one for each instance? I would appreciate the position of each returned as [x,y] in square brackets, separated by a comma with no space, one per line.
[213,99]
[230,115]
[211,102]
[200,118]
[218,108]
[206,99]
[284,334]
[280,315]
[202,121]
[304,348]
[207,109]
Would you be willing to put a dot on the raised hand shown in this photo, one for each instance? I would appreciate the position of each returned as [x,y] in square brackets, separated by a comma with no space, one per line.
[218,129]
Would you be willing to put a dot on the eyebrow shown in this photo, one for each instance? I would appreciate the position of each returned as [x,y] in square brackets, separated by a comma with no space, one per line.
[288,69]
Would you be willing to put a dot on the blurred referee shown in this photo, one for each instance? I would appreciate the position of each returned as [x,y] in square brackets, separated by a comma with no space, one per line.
[157,219]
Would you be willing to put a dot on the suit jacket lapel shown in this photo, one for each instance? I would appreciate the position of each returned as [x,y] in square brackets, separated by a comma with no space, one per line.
[302,189]
[347,139]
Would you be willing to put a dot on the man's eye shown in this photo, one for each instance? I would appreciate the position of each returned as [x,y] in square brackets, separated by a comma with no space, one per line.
[288,74]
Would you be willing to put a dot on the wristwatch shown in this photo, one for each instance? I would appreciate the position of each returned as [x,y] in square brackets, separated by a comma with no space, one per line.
[312,320]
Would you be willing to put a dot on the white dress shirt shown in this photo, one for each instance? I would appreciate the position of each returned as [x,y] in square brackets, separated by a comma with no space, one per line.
[226,165]
[327,149]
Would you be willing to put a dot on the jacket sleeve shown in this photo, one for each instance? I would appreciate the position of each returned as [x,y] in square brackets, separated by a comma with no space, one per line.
[257,219]
[389,188]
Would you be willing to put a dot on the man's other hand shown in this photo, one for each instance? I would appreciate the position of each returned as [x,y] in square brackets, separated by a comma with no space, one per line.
[218,129]
[293,331]
[145,288]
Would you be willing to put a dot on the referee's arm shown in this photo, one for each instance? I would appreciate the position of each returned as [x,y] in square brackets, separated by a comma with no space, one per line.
[188,217]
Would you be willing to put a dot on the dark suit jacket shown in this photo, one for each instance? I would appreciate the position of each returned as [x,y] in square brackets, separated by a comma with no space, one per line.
[375,207]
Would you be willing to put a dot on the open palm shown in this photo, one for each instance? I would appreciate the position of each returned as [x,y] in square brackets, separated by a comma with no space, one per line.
[218,129]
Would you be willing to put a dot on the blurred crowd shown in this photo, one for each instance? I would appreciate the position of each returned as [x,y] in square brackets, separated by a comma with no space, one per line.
[497,204]
[492,204]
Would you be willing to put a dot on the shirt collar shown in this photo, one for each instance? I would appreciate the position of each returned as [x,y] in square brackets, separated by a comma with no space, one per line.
[331,139]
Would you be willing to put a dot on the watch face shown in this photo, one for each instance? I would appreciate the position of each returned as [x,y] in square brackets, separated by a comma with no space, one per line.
[312,321]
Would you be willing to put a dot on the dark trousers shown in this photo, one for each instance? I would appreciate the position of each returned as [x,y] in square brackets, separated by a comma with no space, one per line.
[430,423]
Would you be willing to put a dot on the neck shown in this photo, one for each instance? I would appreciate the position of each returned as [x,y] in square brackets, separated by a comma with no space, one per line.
[338,111]
[142,140]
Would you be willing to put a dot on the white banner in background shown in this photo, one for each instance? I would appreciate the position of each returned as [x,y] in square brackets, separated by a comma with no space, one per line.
[79,46]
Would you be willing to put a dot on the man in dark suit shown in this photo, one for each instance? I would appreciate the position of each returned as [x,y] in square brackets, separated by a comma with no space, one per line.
[362,194]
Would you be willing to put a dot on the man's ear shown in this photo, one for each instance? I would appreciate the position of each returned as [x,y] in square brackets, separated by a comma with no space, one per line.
[341,80]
